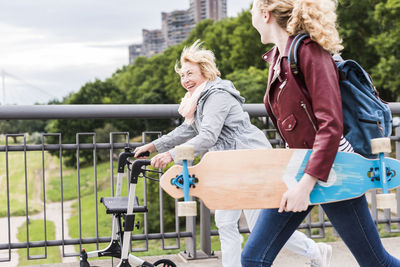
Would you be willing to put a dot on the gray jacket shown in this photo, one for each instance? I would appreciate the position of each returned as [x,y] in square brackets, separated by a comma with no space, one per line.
[219,124]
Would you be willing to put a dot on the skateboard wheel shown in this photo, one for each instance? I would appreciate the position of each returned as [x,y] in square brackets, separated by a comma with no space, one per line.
[386,201]
[184,152]
[379,145]
[187,208]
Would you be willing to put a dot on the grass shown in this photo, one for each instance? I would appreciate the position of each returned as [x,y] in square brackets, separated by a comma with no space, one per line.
[70,182]
[17,182]
[36,233]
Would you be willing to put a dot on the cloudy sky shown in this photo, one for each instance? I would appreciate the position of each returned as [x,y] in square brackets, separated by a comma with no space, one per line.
[51,48]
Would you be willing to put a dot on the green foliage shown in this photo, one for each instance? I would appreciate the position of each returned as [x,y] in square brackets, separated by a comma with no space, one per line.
[370,33]
[387,45]
[236,44]
[234,41]
[21,127]
[250,82]
[355,28]
[96,92]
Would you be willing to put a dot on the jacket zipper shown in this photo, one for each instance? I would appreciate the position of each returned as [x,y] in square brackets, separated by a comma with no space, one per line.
[281,87]
[272,110]
[304,106]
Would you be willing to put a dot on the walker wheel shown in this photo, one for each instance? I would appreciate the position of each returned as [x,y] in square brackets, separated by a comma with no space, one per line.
[379,145]
[184,152]
[386,201]
[187,208]
[164,263]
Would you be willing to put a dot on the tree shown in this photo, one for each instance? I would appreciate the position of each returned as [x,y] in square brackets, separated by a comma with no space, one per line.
[355,28]
[21,127]
[96,92]
[251,83]
[387,44]
[370,36]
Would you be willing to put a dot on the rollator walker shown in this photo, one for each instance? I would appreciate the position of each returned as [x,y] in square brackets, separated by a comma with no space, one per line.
[124,208]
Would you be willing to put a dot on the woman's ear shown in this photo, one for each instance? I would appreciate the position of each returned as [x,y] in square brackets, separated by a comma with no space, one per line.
[267,16]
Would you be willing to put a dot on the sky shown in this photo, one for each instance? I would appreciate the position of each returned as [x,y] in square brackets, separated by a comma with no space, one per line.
[49,48]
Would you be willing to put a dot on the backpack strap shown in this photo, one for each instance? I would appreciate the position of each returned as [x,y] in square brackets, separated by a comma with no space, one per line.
[294,46]
[292,58]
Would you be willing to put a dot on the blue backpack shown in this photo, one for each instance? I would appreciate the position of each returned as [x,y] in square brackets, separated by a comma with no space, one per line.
[365,115]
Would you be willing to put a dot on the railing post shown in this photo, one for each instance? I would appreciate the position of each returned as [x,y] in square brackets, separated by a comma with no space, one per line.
[205,235]
[374,210]
[190,253]
[205,230]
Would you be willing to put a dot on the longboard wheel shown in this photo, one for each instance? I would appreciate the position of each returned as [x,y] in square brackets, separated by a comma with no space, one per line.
[386,201]
[184,152]
[379,145]
[187,208]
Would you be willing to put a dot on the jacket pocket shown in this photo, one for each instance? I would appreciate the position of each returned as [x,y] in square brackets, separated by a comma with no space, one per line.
[289,123]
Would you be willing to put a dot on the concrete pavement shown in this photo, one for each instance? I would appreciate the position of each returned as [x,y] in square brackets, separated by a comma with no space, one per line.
[341,258]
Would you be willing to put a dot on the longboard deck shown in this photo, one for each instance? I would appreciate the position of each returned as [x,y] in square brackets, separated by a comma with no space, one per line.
[252,179]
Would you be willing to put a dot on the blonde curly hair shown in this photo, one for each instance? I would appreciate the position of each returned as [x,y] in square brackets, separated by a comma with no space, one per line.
[315,17]
[205,59]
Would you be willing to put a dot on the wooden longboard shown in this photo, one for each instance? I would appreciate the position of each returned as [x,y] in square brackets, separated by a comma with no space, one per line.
[253,179]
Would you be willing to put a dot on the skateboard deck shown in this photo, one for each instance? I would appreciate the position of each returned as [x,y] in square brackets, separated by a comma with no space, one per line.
[257,178]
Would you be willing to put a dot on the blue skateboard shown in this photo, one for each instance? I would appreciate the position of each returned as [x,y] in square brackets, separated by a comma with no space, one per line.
[253,179]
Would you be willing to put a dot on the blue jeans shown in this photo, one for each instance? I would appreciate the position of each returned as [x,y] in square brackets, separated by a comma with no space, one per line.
[351,219]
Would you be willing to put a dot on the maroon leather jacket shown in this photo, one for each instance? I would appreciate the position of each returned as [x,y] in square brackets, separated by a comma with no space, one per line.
[306,108]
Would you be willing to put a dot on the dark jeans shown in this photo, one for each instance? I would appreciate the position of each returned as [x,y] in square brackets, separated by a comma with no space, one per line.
[351,219]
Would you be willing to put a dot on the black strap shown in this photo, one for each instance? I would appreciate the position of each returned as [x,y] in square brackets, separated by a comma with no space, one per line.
[292,58]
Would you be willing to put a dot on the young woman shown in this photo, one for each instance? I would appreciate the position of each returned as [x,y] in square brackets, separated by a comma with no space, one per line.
[307,111]
[215,120]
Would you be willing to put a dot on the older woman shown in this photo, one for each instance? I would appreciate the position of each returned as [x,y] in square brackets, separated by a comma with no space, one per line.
[215,120]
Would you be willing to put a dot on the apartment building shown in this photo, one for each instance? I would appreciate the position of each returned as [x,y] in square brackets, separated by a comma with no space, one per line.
[176,27]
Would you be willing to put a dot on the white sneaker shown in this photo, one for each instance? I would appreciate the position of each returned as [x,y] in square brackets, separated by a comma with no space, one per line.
[325,256]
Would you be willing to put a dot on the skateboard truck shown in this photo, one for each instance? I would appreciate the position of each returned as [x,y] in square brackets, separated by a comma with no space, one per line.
[378,147]
[373,174]
[185,153]
[179,181]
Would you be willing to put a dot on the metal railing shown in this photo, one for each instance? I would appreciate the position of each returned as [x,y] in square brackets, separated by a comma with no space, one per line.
[391,221]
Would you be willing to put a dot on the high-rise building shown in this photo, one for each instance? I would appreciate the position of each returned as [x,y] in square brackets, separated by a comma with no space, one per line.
[135,51]
[208,9]
[176,26]
[153,42]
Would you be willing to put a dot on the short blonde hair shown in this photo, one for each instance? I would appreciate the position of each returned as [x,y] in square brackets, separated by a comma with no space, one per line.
[205,59]
[315,17]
